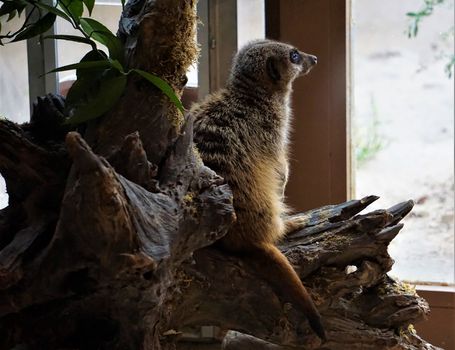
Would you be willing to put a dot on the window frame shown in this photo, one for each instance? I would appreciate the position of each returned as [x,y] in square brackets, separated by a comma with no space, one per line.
[220,26]
[41,58]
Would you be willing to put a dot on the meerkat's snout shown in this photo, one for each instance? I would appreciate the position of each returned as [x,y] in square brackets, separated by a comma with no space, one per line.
[313,60]
[309,61]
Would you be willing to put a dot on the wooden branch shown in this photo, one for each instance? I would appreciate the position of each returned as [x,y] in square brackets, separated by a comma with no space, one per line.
[27,166]
[106,260]
[135,237]
[146,241]
[35,179]
[342,259]
[239,341]
[131,162]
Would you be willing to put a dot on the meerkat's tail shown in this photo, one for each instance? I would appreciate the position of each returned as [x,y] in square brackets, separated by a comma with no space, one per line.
[275,268]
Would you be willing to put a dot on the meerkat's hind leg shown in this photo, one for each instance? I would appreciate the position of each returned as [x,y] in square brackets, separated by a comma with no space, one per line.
[271,265]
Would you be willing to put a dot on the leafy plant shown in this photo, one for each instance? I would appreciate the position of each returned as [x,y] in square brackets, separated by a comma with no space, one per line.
[368,141]
[416,18]
[101,77]
[449,66]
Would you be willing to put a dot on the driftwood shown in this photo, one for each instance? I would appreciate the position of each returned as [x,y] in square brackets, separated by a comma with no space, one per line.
[343,260]
[107,239]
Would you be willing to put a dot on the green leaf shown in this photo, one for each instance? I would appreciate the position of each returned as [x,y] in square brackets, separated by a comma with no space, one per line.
[11,15]
[7,7]
[93,55]
[89,67]
[449,66]
[94,25]
[73,8]
[86,86]
[83,65]
[163,86]
[20,10]
[117,65]
[12,6]
[79,91]
[109,92]
[100,33]
[53,10]
[74,38]
[89,4]
[37,28]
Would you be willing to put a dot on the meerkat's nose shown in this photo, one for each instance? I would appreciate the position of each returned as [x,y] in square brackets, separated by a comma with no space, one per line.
[313,59]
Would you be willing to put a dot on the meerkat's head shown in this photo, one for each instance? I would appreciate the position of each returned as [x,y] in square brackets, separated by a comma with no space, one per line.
[272,64]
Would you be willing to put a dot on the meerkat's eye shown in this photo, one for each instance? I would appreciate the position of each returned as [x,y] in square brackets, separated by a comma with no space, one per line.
[295,57]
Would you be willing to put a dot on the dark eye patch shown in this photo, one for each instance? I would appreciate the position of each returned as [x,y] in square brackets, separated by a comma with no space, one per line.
[273,69]
[295,57]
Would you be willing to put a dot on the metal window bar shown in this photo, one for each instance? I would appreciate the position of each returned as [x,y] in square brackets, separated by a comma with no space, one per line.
[218,39]
[41,57]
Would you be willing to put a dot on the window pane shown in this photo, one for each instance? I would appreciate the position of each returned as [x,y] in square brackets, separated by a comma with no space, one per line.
[250,21]
[3,194]
[14,99]
[403,129]
[192,76]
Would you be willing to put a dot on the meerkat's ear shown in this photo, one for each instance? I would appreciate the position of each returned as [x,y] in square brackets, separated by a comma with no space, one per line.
[272,69]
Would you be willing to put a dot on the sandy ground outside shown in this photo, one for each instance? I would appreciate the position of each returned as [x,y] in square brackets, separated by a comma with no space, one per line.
[404,100]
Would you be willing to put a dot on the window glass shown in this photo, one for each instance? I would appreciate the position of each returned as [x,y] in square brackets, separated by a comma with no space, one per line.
[250,21]
[14,99]
[3,194]
[403,127]
[192,76]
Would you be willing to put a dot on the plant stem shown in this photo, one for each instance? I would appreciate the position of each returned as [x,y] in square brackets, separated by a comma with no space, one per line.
[77,26]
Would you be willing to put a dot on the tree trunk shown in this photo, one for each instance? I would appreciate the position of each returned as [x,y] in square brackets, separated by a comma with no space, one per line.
[106,242]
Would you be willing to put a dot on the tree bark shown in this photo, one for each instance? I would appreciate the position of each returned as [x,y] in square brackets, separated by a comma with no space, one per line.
[107,239]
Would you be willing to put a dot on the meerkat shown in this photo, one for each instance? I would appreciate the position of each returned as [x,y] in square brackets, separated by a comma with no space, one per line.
[241,132]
